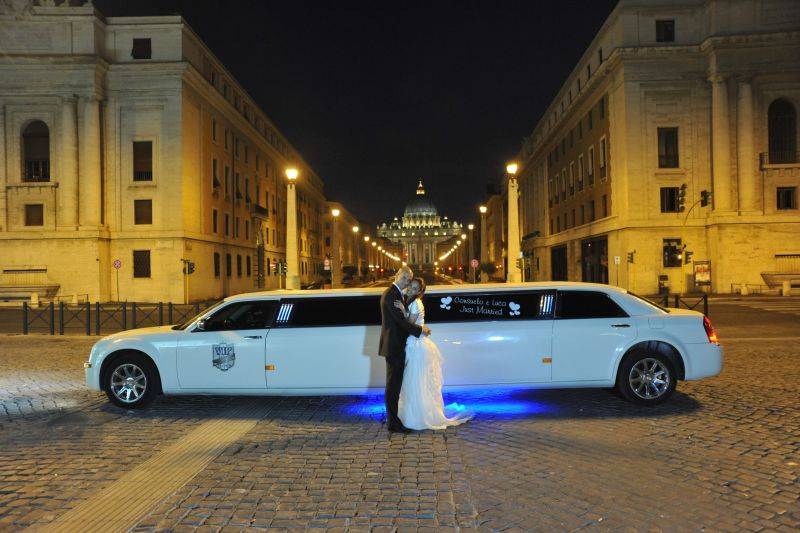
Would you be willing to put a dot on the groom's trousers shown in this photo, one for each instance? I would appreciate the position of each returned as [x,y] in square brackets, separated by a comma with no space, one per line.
[395,365]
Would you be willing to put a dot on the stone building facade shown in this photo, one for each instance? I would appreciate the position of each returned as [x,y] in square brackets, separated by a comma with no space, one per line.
[672,103]
[126,142]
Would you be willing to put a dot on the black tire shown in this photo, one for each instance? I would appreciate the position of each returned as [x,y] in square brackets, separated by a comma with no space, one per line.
[131,381]
[640,377]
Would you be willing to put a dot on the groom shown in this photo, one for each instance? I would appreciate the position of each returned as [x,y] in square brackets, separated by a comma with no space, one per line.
[395,329]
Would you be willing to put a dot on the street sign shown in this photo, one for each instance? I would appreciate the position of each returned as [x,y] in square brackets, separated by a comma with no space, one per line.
[474,263]
[117,264]
[616,259]
[702,273]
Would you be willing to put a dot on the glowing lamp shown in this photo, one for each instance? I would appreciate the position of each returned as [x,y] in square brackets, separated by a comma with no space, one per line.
[511,168]
[291,173]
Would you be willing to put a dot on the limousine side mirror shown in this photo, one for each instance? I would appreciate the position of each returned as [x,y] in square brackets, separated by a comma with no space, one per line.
[201,325]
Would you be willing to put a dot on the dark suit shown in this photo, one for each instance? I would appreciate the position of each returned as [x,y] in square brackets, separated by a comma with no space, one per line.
[395,329]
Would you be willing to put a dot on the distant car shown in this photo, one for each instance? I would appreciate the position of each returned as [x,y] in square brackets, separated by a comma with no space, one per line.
[312,285]
[534,335]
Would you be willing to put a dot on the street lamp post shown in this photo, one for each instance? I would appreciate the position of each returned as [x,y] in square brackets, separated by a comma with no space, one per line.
[462,255]
[336,265]
[484,244]
[357,244]
[513,273]
[471,228]
[292,259]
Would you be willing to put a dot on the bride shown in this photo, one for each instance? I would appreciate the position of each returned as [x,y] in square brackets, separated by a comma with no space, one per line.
[421,405]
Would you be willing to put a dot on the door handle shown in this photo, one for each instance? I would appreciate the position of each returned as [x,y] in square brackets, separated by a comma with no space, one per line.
[252,336]
[620,325]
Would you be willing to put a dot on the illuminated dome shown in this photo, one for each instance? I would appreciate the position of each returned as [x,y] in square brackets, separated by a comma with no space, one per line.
[421,205]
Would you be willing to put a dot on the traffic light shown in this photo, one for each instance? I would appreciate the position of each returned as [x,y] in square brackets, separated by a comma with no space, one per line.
[519,263]
[687,257]
[189,267]
[682,197]
[630,257]
[705,196]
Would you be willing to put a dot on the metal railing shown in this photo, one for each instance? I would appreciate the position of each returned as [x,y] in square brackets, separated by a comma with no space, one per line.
[678,301]
[104,318]
[37,170]
[142,175]
[777,157]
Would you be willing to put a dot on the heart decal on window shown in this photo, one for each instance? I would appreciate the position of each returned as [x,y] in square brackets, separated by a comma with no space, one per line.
[514,308]
[446,302]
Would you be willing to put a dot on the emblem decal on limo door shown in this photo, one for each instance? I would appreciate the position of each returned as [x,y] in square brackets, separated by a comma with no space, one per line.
[514,308]
[446,302]
[223,356]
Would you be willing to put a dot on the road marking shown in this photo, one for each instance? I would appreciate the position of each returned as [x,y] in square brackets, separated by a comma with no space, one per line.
[120,505]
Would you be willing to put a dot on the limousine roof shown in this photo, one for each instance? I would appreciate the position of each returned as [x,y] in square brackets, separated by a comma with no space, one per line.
[431,289]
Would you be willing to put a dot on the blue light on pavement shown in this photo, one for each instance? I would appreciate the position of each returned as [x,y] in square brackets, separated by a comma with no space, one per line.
[498,403]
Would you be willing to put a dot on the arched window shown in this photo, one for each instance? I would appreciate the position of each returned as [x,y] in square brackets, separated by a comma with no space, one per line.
[782,125]
[36,152]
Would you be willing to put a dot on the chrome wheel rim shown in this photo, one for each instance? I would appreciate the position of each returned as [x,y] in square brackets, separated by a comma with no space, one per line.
[128,383]
[649,378]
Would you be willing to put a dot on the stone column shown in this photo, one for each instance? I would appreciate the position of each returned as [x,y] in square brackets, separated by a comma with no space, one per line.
[292,260]
[720,144]
[89,163]
[484,247]
[513,274]
[748,193]
[336,258]
[68,154]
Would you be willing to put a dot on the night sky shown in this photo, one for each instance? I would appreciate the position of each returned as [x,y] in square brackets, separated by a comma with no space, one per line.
[376,95]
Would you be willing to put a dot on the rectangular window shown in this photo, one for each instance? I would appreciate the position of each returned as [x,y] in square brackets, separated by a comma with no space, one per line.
[573,218]
[227,182]
[603,149]
[572,178]
[599,55]
[239,265]
[143,211]
[247,264]
[590,120]
[667,147]
[602,108]
[226,139]
[551,226]
[787,197]
[588,72]
[141,263]
[580,172]
[247,229]
[669,199]
[228,268]
[672,252]
[236,227]
[227,224]
[246,154]
[583,215]
[580,130]
[34,214]
[590,167]
[604,199]
[591,211]
[214,216]
[215,174]
[214,129]
[558,224]
[142,161]
[665,31]
[563,183]
[142,49]
[216,265]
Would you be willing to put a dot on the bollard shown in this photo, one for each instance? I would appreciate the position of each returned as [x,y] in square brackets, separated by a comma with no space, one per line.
[97,318]
[24,318]
[60,318]
[787,288]
[88,318]
[52,319]
[160,313]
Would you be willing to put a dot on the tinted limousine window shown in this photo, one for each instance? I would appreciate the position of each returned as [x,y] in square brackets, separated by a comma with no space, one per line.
[587,304]
[451,307]
[457,307]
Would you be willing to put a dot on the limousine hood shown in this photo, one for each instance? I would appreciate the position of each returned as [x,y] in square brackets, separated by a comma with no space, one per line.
[138,332]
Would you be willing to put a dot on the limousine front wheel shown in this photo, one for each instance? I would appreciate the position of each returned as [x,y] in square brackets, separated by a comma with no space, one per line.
[646,378]
[131,381]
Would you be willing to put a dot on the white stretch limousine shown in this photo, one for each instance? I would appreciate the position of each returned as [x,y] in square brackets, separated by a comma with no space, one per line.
[493,335]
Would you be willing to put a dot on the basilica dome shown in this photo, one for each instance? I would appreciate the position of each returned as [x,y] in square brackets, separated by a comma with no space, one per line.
[421,205]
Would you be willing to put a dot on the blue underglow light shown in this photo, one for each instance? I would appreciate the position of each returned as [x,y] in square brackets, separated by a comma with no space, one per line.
[488,403]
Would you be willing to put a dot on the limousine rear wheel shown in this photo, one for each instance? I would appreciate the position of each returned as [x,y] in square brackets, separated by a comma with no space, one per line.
[646,377]
[131,381]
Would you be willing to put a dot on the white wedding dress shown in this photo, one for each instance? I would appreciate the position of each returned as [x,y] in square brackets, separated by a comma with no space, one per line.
[421,405]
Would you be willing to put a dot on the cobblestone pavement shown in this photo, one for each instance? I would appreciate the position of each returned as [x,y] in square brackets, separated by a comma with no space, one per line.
[723,454]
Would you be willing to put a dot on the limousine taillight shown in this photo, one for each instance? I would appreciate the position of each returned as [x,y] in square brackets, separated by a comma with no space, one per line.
[710,331]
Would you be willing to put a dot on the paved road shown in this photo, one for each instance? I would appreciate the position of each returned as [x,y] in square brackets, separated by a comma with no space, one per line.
[722,455]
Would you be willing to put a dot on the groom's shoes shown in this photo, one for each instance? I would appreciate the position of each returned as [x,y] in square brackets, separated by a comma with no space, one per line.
[399,429]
